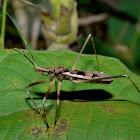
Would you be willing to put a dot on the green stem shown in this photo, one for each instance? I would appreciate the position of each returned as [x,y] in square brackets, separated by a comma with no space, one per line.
[3,23]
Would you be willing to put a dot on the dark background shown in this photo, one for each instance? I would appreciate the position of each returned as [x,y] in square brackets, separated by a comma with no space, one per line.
[115,28]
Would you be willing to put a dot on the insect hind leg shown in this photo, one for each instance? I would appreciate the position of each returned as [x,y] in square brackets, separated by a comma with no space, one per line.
[118,76]
[131,81]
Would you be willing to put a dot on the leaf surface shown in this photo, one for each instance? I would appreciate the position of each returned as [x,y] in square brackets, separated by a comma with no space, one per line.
[85,110]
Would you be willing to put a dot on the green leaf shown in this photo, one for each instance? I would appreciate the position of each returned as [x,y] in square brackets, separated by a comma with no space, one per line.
[85,110]
[125,35]
[122,28]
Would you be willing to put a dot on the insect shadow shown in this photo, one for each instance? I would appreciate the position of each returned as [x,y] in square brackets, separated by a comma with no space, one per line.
[81,96]
[76,96]
[84,95]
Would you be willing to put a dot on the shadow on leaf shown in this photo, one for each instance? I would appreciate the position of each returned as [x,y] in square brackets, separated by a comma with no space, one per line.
[87,95]
[81,96]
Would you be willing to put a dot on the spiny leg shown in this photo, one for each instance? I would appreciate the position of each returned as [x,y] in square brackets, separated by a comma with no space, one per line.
[58,99]
[33,84]
[119,76]
[89,36]
[44,99]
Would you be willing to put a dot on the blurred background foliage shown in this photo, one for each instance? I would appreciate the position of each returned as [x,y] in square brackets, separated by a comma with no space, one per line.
[65,24]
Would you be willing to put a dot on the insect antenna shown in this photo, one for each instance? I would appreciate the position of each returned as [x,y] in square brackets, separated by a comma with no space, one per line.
[25,56]
[24,41]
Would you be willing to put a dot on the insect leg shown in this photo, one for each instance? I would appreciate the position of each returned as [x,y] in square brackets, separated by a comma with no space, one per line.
[58,99]
[119,76]
[33,84]
[89,36]
[95,53]
[44,99]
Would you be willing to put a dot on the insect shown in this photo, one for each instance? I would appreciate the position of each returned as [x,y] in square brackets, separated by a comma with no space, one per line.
[61,73]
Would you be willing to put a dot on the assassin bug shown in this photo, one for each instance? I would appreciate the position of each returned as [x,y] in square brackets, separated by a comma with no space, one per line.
[61,73]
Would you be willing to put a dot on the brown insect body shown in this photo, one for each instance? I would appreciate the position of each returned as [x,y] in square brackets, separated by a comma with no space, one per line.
[77,76]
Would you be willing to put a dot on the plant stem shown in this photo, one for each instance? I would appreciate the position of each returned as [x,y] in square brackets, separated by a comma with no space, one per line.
[3,23]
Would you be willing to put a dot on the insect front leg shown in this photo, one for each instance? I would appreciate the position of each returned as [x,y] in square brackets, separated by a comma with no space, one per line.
[89,36]
[33,84]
